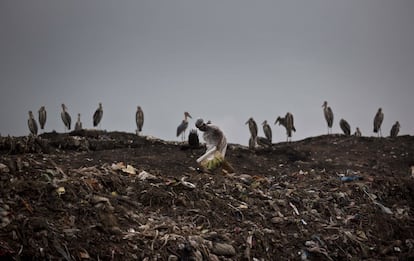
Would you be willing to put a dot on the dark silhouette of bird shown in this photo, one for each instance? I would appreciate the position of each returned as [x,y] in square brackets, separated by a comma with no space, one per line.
[31,122]
[358,132]
[183,126]
[42,117]
[139,119]
[78,124]
[193,140]
[65,116]
[345,127]
[327,111]
[252,143]
[288,123]
[252,127]
[263,142]
[329,117]
[267,131]
[379,117]
[395,129]
[97,116]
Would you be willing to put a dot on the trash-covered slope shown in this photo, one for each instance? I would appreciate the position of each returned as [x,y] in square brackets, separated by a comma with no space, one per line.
[114,196]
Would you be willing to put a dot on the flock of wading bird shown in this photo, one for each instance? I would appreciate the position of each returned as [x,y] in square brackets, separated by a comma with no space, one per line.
[67,119]
[254,140]
[288,123]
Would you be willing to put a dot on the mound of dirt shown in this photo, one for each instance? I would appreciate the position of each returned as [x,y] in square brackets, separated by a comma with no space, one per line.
[96,195]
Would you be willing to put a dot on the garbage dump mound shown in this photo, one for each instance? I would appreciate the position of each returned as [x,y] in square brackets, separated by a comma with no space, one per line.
[96,195]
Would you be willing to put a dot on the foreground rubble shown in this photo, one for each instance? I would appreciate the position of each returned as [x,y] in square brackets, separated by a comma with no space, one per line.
[114,196]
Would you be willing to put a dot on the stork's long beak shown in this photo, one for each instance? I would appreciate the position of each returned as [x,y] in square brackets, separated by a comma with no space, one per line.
[189,116]
[247,122]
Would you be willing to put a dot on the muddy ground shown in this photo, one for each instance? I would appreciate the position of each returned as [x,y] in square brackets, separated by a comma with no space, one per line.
[95,195]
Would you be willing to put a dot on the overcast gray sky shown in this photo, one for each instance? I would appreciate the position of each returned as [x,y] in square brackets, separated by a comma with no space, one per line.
[224,61]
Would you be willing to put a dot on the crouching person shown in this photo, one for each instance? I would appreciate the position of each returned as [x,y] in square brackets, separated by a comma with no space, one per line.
[216,146]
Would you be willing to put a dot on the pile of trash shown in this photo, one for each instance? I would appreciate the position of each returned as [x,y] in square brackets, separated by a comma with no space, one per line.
[324,198]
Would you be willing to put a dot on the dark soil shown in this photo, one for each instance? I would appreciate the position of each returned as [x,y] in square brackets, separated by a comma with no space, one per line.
[72,197]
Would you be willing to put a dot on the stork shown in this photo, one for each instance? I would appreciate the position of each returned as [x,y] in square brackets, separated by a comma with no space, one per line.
[252,127]
[329,117]
[139,119]
[31,122]
[379,117]
[395,129]
[358,132]
[78,124]
[65,116]
[288,123]
[97,116]
[345,127]
[183,126]
[42,117]
[267,131]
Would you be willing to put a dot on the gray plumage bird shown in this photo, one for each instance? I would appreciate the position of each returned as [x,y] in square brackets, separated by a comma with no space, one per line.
[252,143]
[345,127]
[139,119]
[183,126]
[288,123]
[78,124]
[329,117]
[263,142]
[379,117]
[252,127]
[31,122]
[395,129]
[42,117]
[358,132]
[267,131]
[65,117]
[97,116]
[193,140]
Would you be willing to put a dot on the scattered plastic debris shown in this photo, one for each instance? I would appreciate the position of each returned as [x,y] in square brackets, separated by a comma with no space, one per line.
[59,196]
[143,175]
[130,170]
[296,211]
[60,191]
[350,178]
[4,168]
[187,184]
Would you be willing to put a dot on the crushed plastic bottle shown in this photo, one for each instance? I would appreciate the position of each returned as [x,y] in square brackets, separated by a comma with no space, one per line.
[350,178]
[304,255]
